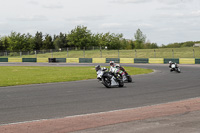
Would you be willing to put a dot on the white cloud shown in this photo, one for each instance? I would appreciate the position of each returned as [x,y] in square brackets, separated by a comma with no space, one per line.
[131,1]
[174,2]
[111,25]
[196,13]
[33,2]
[156,18]
[29,18]
[52,6]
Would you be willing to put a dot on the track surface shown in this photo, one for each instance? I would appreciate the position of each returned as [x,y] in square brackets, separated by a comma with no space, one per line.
[45,101]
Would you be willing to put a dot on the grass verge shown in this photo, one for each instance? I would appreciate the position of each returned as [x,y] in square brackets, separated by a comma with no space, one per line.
[22,75]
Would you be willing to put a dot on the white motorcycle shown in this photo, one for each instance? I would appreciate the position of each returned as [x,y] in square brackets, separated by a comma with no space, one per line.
[175,68]
[108,79]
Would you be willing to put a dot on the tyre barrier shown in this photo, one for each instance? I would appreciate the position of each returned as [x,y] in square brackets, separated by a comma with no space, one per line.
[105,60]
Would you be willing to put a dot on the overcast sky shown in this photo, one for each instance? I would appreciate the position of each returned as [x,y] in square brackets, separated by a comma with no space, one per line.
[162,21]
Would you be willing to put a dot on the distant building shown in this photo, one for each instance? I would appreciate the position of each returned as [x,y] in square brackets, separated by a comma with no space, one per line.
[196,45]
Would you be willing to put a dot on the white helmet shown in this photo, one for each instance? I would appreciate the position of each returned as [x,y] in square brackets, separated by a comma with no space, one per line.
[117,65]
[170,62]
[112,63]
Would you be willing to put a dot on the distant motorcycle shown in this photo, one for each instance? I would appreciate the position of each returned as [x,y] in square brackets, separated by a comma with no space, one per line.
[108,79]
[175,68]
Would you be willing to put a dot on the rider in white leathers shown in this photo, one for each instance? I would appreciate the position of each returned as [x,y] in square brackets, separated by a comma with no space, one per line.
[116,70]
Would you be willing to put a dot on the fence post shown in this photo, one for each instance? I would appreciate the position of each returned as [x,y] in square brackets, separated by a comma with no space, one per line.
[35,53]
[118,53]
[84,52]
[135,53]
[172,53]
[67,52]
[51,53]
[6,53]
[193,53]
[101,51]
[20,53]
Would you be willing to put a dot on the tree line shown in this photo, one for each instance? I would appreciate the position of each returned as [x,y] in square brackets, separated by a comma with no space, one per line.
[180,45]
[79,37]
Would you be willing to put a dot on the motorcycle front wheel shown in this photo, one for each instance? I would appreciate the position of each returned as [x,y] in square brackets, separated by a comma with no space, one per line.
[106,82]
[129,78]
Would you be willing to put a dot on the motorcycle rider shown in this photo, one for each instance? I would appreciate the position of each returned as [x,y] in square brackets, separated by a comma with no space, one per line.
[115,69]
[170,65]
[98,67]
[112,64]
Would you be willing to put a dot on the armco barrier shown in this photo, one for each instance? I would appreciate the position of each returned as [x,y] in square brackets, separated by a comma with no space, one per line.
[42,60]
[14,59]
[197,61]
[116,60]
[186,61]
[85,60]
[105,60]
[3,59]
[98,60]
[141,60]
[126,60]
[29,59]
[156,60]
[72,60]
[166,60]
[60,60]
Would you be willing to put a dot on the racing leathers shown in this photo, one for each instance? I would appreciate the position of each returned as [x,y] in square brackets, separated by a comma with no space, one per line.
[115,70]
[170,65]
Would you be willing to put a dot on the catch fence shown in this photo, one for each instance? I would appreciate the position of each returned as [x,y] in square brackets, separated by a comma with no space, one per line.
[98,52]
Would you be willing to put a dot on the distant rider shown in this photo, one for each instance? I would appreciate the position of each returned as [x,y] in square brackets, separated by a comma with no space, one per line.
[170,64]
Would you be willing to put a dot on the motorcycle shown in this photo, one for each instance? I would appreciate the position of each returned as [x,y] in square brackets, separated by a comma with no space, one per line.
[175,68]
[128,78]
[108,79]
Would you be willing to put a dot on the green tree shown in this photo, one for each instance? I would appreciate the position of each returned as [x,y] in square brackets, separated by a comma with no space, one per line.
[140,39]
[80,36]
[48,42]
[38,40]
[30,45]
[1,45]
[60,41]
[17,42]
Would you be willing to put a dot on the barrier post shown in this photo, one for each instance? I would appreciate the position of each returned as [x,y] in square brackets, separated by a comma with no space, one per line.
[135,53]
[84,52]
[118,53]
[100,51]
[35,53]
[67,52]
[193,53]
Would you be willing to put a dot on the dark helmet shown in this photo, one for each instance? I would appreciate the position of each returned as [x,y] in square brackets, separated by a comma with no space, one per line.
[97,68]
[112,63]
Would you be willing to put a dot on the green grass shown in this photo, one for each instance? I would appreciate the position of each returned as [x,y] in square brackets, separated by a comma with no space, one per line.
[186,52]
[22,75]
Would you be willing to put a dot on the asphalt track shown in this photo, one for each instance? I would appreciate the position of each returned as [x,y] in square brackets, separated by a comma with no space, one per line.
[57,100]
